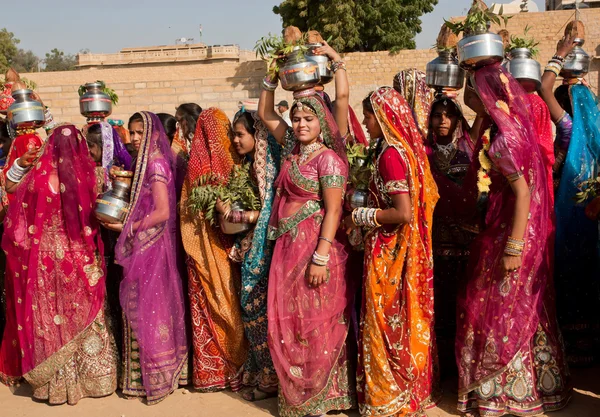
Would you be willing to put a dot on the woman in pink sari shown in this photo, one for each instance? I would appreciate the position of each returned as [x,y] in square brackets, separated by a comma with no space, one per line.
[509,357]
[56,336]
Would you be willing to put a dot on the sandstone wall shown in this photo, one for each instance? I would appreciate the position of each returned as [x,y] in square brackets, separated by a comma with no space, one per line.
[162,88]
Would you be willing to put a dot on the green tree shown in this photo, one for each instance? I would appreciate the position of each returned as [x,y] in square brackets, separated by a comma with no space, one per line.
[57,60]
[25,61]
[359,25]
[8,49]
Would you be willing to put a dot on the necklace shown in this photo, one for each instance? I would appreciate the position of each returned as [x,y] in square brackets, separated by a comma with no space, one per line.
[307,150]
[445,153]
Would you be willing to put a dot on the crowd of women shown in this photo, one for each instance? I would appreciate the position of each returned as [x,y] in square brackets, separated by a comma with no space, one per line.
[325,306]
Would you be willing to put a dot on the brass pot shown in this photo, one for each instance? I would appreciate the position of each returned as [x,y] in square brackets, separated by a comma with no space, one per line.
[113,205]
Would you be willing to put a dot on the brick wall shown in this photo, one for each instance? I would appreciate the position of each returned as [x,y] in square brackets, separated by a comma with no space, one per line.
[162,88]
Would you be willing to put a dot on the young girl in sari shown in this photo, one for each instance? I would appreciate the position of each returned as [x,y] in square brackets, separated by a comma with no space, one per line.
[56,335]
[308,297]
[396,341]
[155,345]
[254,251]
[508,352]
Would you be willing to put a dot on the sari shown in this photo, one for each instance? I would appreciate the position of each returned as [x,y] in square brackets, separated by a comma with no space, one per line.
[455,225]
[308,326]
[508,348]
[220,348]
[577,236]
[254,251]
[542,122]
[24,141]
[412,85]
[396,357]
[155,345]
[56,336]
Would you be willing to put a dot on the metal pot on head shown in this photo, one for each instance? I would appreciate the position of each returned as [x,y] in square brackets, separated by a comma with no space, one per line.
[444,72]
[26,112]
[525,69]
[577,63]
[478,50]
[325,73]
[298,73]
[95,104]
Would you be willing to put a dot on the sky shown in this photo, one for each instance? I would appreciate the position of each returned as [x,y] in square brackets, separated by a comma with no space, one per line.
[107,26]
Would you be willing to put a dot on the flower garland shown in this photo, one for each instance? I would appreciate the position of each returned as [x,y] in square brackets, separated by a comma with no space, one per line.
[483,179]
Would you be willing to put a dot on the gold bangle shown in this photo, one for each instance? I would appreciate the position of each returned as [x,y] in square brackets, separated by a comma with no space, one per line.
[375,218]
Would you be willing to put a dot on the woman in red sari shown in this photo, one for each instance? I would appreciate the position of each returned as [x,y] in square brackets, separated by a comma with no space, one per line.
[56,336]
[396,357]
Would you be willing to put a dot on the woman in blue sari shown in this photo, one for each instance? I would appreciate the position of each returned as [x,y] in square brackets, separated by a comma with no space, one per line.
[254,251]
[574,109]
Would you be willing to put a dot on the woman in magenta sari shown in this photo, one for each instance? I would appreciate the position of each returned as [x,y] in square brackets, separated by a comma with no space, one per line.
[509,356]
[155,342]
[308,300]
[56,336]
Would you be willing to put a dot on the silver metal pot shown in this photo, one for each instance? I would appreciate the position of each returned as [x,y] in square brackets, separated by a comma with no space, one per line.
[358,198]
[94,103]
[112,206]
[325,73]
[479,50]
[26,112]
[298,73]
[444,72]
[525,69]
[229,228]
[577,63]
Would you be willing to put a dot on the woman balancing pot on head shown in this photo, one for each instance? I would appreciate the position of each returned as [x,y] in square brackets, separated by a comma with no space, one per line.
[396,355]
[508,350]
[308,298]
[155,345]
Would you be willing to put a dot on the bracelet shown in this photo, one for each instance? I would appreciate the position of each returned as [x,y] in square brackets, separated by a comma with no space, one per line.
[325,239]
[514,247]
[552,69]
[320,260]
[337,66]
[363,216]
[559,58]
[268,85]
[15,173]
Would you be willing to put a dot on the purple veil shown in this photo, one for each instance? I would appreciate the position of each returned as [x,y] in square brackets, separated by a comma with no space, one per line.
[151,292]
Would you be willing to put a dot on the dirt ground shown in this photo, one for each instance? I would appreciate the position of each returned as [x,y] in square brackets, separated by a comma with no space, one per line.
[185,403]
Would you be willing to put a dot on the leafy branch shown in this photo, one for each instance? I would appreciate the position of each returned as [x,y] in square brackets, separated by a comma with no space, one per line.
[361,165]
[478,20]
[274,48]
[524,42]
[106,90]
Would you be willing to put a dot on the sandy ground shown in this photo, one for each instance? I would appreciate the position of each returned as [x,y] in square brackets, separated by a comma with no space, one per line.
[183,403]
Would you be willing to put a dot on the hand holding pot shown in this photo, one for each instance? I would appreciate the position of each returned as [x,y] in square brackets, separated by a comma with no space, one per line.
[565,45]
[327,51]
[115,227]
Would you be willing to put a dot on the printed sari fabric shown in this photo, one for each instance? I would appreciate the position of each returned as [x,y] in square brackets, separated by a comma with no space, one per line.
[396,357]
[577,261]
[56,336]
[220,348]
[455,225]
[508,350]
[155,345]
[308,326]
[254,251]
[411,85]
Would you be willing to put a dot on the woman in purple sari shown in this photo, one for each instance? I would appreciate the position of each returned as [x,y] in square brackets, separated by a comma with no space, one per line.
[155,340]
[508,352]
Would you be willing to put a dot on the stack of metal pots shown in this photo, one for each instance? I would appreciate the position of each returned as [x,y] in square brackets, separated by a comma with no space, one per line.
[26,112]
[113,206]
[577,63]
[325,72]
[95,104]
[298,72]
[525,69]
[444,72]
[480,49]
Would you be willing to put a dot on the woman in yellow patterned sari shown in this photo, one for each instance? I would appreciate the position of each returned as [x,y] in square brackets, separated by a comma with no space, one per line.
[396,343]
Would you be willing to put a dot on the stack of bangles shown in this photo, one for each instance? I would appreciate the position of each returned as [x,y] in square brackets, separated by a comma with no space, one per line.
[320,260]
[270,84]
[16,172]
[239,216]
[514,247]
[338,65]
[363,216]
[555,65]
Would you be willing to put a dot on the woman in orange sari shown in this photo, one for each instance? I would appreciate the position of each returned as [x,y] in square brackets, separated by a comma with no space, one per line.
[220,348]
[396,354]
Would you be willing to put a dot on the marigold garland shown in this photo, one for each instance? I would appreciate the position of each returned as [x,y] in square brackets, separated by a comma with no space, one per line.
[483,179]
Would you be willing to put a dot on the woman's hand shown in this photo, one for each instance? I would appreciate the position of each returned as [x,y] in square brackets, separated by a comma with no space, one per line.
[349,224]
[222,207]
[113,169]
[328,51]
[28,158]
[317,275]
[565,45]
[115,227]
[511,264]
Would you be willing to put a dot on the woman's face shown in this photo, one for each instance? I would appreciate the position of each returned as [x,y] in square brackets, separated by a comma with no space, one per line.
[182,122]
[306,126]
[242,140]
[443,120]
[95,152]
[136,132]
[371,123]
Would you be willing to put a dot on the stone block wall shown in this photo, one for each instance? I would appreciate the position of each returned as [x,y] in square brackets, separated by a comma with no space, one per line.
[162,88]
